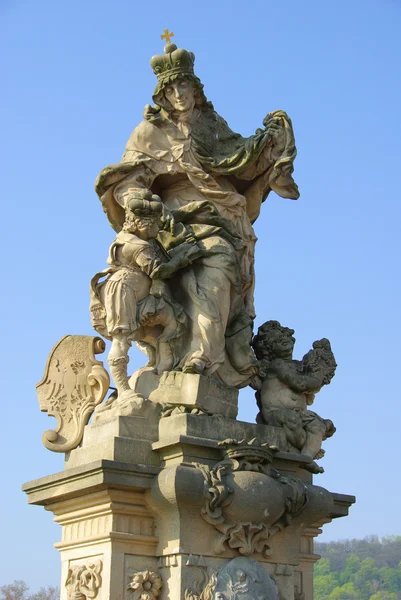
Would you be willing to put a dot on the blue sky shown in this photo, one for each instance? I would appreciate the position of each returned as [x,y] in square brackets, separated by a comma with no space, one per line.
[76,77]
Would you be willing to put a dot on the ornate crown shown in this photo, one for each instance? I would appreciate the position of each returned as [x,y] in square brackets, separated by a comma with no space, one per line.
[252,450]
[174,61]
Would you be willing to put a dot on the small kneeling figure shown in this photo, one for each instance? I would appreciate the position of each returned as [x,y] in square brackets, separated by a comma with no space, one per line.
[131,303]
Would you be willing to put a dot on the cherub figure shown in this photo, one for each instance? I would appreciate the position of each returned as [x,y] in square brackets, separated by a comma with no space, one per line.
[289,386]
[129,302]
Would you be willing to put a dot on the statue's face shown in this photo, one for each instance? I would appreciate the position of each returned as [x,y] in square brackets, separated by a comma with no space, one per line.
[180,94]
[147,227]
[283,345]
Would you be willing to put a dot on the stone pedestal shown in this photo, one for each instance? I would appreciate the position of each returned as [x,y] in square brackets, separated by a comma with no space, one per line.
[191,392]
[164,505]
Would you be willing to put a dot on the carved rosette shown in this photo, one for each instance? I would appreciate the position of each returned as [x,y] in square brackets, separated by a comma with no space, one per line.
[145,585]
[244,486]
[74,383]
[84,581]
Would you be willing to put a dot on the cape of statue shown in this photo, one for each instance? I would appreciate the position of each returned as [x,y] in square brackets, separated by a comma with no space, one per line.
[211,183]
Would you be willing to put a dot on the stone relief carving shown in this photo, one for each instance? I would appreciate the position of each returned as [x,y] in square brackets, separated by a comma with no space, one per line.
[84,581]
[74,383]
[242,488]
[182,201]
[240,579]
[298,595]
[145,585]
[204,587]
[287,387]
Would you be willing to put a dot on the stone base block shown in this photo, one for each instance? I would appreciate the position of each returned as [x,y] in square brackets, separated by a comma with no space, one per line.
[119,438]
[187,390]
[127,525]
[184,504]
[217,428]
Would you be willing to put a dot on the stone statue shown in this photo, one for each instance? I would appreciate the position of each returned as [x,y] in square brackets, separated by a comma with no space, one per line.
[211,182]
[132,303]
[164,494]
[289,386]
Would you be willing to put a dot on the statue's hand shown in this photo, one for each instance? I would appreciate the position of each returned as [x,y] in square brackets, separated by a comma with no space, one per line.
[159,288]
[272,127]
[270,119]
[167,220]
[165,270]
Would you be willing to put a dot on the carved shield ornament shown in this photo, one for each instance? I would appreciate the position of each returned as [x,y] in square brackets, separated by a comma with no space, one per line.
[74,383]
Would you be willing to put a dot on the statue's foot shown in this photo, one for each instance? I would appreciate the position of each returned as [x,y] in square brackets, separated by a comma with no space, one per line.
[166,358]
[313,467]
[126,404]
[194,366]
[108,404]
[164,365]
[130,398]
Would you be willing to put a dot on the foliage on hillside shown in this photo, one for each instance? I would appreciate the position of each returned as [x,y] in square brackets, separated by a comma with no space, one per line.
[366,569]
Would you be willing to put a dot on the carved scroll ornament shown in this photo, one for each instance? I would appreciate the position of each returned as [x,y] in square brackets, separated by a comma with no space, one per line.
[84,581]
[74,383]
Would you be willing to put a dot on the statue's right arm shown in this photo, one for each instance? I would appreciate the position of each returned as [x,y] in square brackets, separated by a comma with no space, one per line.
[299,382]
[140,178]
[145,157]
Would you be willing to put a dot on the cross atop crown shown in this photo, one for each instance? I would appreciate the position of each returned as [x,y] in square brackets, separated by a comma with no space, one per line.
[167,35]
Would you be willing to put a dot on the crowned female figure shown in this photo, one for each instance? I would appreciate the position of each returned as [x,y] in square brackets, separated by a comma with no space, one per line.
[212,183]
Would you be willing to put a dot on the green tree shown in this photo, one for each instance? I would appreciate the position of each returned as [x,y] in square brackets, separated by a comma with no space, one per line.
[391,579]
[344,592]
[323,585]
[322,567]
[367,579]
[352,566]
[373,567]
